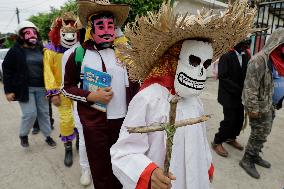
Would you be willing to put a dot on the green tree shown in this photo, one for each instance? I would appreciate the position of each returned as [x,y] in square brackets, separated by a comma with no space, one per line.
[139,7]
[8,43]
[44,20]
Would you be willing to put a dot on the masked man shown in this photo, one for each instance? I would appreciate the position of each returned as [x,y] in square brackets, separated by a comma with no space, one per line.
[258,101]
[101,129]
[24,82]
[232,69]
[63,35]
[171,54]
[85,178]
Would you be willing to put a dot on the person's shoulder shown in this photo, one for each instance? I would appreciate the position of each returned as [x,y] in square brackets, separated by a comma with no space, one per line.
[152,92]
[226,56]
[258,60]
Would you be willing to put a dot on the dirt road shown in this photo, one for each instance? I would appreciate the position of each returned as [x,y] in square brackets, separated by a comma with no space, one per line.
[41,167]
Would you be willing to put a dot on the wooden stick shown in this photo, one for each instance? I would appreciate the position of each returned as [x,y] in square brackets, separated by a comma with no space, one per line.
[171,130]
[160,127]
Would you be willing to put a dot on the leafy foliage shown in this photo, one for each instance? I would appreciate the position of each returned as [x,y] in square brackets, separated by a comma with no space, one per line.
[138,7]
[8,43]
[44,20]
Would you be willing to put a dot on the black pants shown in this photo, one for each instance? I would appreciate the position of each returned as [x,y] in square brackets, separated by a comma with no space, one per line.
[232,124]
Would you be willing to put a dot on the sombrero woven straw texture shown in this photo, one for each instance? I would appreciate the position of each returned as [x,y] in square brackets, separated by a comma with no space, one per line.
[71,28]
[89,7]
[64,17]
[152,35]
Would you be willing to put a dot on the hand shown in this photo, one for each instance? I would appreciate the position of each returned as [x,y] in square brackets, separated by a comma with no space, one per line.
[102,95]
[56,101]
[160,181]
[254,115]
[10,96]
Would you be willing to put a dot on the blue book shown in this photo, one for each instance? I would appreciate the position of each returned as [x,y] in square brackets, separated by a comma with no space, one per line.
[94,79]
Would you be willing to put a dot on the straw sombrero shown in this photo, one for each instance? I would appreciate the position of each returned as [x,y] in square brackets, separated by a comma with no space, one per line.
[152,35]
[68,28]
[57,22]
[89,7]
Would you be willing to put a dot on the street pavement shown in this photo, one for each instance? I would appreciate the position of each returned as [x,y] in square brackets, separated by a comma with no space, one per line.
[41,167]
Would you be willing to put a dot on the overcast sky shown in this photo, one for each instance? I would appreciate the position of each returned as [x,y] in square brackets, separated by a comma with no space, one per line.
[27,8]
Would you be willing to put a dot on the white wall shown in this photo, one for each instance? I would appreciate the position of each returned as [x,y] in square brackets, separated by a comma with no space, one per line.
[191,6]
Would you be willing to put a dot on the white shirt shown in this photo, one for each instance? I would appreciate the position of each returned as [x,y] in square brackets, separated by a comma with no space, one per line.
[240,58]
[65,58]
[132,153]
[117,107]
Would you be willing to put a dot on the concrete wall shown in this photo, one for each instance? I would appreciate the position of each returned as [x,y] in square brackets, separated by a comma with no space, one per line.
[191,6]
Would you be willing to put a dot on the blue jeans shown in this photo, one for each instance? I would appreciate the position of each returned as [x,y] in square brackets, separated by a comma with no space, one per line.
[36,107]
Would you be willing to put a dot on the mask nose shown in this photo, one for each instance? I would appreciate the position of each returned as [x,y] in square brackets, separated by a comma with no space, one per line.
[201,71]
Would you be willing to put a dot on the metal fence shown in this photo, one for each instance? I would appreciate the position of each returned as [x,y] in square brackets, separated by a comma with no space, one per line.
[270,15]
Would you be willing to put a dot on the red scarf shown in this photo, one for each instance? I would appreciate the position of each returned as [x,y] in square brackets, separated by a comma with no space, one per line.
[278,60]
[166,81]
[164,72]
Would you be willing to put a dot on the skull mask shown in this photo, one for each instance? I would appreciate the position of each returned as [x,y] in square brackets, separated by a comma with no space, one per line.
[194,59]
[68,39]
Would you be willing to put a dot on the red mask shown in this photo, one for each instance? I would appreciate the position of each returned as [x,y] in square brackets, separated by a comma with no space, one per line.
[30,35]
[103,30]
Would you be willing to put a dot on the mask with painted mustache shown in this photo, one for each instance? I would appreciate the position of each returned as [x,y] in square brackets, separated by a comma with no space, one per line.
[106,36]
[103,31]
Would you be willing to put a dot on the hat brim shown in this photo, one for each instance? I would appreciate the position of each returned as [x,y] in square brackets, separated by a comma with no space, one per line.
[152,35]
[87,8]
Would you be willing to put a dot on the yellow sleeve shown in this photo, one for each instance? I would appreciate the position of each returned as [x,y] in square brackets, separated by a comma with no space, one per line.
[49,72]
[121,41]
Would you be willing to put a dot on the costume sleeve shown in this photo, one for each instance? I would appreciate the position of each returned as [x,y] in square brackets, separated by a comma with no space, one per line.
[71,81]
[224,77]
[206,146]
[254,77]
[211,170]
[128,153]
[9,71]
[49,77]
[208,153]
[144,180]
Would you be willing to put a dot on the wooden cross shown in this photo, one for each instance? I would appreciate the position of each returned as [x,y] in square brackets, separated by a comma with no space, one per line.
[170,129]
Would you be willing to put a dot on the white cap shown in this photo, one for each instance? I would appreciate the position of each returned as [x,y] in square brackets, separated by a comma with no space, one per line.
[25,24]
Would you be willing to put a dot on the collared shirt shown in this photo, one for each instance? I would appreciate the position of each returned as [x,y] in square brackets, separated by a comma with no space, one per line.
[240,57]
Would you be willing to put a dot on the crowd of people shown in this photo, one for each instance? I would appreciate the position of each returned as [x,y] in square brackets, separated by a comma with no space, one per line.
[105,82]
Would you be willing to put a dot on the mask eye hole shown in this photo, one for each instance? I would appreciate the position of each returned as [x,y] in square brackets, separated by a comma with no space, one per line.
[207,63]
[194,60]
[63,34]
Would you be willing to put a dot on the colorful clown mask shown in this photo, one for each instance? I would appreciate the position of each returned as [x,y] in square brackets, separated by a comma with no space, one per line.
[30,36]
[195,58]
[68,38]
[103,31]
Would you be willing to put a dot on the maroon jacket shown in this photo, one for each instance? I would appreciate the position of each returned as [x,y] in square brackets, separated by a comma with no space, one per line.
[88,115]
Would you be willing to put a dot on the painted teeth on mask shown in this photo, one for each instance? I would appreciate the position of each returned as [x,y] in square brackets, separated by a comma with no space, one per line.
[190,82]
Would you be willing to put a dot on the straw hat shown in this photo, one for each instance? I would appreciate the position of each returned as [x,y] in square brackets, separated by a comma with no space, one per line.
[152,35]
[68,28]
[66,16]
[89,7]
